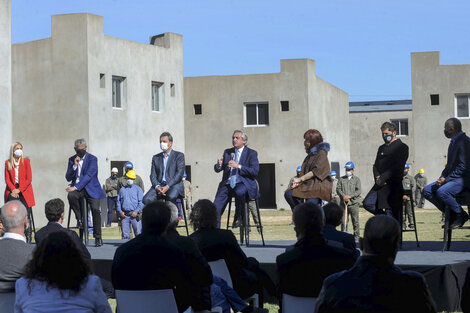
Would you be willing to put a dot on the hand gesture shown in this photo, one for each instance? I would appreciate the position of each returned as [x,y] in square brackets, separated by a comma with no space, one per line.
[219,162]
[232,164]
[76,161]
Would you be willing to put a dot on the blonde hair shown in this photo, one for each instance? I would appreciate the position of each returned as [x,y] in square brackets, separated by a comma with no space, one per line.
[11,161]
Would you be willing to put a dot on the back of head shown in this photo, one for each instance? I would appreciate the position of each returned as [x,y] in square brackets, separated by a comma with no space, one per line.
[308,220]
[13,217]
[381,236]
[333,214]
[54,209]
[58,262]
[155,218]
[174,215]
[455,124]
[204,215]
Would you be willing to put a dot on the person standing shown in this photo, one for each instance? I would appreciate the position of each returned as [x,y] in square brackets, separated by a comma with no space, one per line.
[386,196]
[167,172]
[349,192]
[129,206]
[18,180]
[409,187]
[123,180]
[421,182]
[82,173]
[112,189]
[188,193]
[334,195]
[299,168]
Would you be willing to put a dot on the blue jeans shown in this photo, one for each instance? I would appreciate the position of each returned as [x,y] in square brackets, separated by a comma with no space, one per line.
[293,201]
[126,223]
[444,195]
[225,297]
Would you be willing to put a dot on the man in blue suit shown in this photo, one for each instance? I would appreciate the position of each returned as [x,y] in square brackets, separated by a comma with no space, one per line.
[456,175]
[240,168]
[167,173]
[82,173]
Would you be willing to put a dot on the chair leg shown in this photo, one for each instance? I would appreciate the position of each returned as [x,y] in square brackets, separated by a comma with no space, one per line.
[184,216]
[85,221]
[414,220]
[68,220]
[447,231]
[229,210]
[246,222]
[259,221]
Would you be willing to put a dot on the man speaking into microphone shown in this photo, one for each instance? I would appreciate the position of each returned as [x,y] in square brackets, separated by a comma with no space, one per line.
[240,168]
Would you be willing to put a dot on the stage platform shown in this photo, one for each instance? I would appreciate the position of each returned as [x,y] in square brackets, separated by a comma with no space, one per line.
[445,272]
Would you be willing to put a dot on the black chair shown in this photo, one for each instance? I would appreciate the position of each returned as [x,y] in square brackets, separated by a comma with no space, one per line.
[403,228]
[181,198]
[463,199]
[83,232]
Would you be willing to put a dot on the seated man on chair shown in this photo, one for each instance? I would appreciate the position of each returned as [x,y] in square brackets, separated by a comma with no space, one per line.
[240,167]
[455,177]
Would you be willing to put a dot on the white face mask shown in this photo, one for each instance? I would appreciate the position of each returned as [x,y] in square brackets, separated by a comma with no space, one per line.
[349,173]
[164,146]
[18,153]
[333,177]
[130,182]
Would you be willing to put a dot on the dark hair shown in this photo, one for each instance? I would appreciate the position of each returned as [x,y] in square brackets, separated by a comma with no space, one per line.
[308,219]
[167,134]
[313,136]
[388,125]
[455,123]
[54,209]
[204,215]
[58,262]
[381,236]
[155,218]
[333,214]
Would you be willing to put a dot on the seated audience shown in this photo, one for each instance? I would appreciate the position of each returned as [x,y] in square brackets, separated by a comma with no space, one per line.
[14,251]
[333,218]
[57,279]
[375,284]
[247,277]
[303,268]
[150,262]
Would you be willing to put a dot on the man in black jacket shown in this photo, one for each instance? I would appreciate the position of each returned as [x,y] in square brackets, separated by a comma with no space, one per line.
[375,284]
[386,196]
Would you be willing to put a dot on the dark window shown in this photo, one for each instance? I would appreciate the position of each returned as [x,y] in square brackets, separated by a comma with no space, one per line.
[284,106]
[172,90]
[102,80]
[257,114]
[434,99]
[197,109]
[402,125]
[462,105]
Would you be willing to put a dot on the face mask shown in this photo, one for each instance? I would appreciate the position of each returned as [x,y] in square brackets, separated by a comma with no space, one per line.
[184,178]
[447,133]
[164,146]
[18,153]
[387,138]
[349,173]
[333,177]
[130,182]
[80,152]
[405,173]
[421,175]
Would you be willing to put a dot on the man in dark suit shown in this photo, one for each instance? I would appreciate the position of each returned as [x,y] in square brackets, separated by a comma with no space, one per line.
[456,175]
[15,252]
[167,173]
[375,284]
[240,167]
[150,262]
[303,268]
[55,215]
[82,173]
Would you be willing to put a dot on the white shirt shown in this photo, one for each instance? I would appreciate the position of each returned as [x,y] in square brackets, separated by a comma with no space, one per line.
[80,164]
[14,236]
[240,151]
[17,169]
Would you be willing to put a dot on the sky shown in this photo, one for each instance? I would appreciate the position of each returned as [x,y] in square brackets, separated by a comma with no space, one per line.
[362,47]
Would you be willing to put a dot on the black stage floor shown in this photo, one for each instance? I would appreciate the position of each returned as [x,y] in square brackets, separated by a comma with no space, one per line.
[445,272]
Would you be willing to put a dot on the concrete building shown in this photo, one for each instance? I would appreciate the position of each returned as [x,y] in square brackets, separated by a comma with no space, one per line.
[5,82]
[274,110]
[365,119]
[117,94]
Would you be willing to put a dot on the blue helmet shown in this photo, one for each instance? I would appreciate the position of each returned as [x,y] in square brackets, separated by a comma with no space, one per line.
[299,168]
[184,175]
[349,166]
[333,173]
[129,164]
[407,165]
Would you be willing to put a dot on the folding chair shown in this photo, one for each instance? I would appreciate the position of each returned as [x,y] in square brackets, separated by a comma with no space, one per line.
[146,301]
[7,302]
[292,304]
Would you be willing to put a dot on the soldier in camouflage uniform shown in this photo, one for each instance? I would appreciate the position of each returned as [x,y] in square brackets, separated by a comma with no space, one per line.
[421,181]
[349,192]
[334,194]
[409,186]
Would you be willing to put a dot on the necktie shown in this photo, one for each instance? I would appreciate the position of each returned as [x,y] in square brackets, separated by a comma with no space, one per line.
[233,172]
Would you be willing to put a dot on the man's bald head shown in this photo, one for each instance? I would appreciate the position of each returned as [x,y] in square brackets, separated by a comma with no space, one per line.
[14,217]
[381,237]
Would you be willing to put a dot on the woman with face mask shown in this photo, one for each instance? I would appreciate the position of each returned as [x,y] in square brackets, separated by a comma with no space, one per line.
[18,181]
[314,183]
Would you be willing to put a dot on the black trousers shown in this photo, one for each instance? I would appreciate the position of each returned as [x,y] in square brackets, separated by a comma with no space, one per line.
[75,197]
[29,230]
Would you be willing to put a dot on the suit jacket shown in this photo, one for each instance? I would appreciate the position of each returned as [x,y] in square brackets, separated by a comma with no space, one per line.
[52,227]
[373,285]
[88,176]
[24,177]
[150,262]
[247,174]
[13,257]
[458,159]
[302,269]
[346,240]
[174,171]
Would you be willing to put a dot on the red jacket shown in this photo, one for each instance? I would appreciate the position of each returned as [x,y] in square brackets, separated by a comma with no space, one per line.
[24,179]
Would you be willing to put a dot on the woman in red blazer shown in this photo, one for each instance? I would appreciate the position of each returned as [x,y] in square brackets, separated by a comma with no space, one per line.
[18,181]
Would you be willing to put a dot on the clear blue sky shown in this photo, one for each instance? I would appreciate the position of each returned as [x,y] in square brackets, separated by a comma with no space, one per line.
[362,47]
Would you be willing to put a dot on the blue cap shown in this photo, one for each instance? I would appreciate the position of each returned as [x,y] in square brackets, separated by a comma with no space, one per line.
[299,168]
[407,165]
[129,164]
[333,173]
[184,175]
[349,166]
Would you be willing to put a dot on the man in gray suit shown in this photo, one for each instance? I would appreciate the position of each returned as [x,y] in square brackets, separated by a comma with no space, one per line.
[15,252]
[167,172]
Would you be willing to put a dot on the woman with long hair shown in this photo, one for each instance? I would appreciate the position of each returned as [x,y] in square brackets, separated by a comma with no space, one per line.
[18,179]
[57,279]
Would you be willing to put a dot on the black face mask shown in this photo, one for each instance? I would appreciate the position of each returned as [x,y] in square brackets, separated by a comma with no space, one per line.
[447,133]
[80,152]
[387,138]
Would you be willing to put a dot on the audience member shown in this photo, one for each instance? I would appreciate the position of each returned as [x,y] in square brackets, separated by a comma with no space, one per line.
[333,218]
[150,262]
[58,279]
[129,206]
[14,251]
[247,277]
[302,269]
[375,284]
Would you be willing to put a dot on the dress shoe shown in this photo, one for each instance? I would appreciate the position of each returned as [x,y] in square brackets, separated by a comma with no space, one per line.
[98,242]
[459,220]
[237,223]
